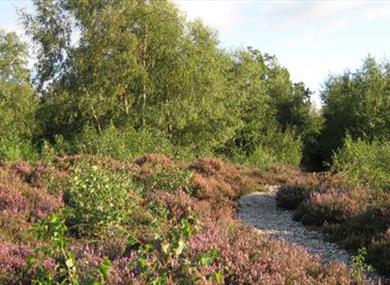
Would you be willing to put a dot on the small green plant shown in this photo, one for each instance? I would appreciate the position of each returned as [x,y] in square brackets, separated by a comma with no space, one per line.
[170,180]
[208,258]
[359,264]
[98,199]
[65,270]
[167,258]
[15,148]
[365,162]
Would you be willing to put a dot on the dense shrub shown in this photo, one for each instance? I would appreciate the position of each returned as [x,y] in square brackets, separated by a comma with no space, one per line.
[379,252]
[355,103]
[16,148]
[121,143]
[12,260]
[169,180]
[277,147]
[291,197]
[365,162]
[17,101]
[98,198]
[21,204]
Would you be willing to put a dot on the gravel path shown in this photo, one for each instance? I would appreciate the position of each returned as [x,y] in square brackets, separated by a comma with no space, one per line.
[259,210]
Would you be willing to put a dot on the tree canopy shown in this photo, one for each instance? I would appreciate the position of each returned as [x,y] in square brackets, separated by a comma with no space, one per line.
[356,103]
[142,66]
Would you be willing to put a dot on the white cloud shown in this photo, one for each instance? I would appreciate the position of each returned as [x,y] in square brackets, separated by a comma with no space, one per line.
[216,14]
[311,38]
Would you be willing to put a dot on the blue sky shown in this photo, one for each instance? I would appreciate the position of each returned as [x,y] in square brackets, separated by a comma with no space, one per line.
[311,38]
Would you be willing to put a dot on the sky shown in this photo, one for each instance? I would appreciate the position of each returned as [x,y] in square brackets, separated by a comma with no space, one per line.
[313,39]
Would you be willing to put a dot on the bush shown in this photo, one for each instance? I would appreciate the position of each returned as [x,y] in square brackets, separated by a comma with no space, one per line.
[277,147]
[291,197]
[16,149]
[365,162]
[121,144]
[379,252]
[97,198]
[169,180]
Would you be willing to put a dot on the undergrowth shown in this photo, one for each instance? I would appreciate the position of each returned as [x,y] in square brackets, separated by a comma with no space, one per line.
[151,221]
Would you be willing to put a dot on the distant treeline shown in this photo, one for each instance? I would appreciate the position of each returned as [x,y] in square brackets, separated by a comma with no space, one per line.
[126,77]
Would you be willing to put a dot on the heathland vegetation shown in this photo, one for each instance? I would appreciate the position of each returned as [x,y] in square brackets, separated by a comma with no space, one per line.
[124,149]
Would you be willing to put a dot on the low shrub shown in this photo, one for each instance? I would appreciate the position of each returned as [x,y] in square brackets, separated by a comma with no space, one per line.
[379,252]
[21,204]
[277,147]
[121,143]
[55,262]
[169,180]
[98,198]
[16,149]
[153,230]
[291,197]
[365,162]
[13,259]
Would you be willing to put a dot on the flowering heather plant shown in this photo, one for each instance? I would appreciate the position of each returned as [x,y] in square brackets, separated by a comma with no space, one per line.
[290,197]
[55,262]
[12,261]
[168,235]
[21,204]
[352,215]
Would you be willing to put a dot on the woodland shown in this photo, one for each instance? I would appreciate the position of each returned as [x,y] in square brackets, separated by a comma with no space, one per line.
[124,149]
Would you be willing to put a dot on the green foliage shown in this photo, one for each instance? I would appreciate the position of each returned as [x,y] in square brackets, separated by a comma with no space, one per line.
[121,143]
[154,260]
[208,258]
[98,199]
[365,162]
[359,265]
[17,103]
[14,148]
[172,77]
[64,270]
[277,147]
[170,71]
[267,102]
[356,103]
[169,180]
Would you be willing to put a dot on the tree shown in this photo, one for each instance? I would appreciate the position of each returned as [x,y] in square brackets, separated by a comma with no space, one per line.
[16,96]
[137,63]
[268,103]
[248,86]
[356,103]
[17,102]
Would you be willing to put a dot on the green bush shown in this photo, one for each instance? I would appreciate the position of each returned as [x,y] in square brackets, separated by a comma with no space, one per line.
[365,162]
[16,148]
[169,180]
[98,199]
[277,147]
[121,144]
